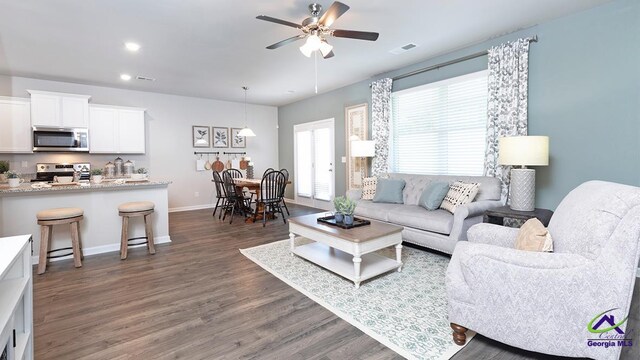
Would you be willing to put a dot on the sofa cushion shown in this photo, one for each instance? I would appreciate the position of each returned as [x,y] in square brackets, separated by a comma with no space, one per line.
[460,193]
[490,187]
[369,188]
[433,195]
[376,211]
[389,191]
[439,221]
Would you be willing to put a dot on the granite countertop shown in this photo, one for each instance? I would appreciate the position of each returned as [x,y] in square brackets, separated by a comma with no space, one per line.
[104,185]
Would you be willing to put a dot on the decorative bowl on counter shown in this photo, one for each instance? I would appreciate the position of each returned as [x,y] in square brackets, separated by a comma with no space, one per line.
[138,176]
[63,179]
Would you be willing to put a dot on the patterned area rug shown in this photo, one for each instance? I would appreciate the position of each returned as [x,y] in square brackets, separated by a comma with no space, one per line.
[406,311]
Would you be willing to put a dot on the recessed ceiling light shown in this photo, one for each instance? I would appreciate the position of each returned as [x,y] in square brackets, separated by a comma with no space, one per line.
[131,46]
[125,77]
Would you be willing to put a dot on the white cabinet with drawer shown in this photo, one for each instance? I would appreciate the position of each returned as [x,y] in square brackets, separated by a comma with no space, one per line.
[50,109]
[116,130]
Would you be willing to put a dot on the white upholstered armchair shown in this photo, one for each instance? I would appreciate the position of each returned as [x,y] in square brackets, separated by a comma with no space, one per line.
[544,302]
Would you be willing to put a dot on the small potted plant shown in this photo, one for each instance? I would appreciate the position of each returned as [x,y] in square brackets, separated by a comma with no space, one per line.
[96,176]
[4,167]
[348,208]
[338,204]
[140,174]
[13,179]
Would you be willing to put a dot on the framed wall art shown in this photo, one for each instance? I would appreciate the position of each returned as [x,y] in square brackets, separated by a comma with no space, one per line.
[220,137]
[237,141]
[356,126]
[201,136]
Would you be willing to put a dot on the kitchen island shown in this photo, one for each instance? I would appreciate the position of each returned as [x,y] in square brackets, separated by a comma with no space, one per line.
[101,227]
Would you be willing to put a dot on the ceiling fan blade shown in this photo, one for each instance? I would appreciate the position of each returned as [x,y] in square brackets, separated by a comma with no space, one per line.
[278,21]
[329,55]
[334,11]
[286,41]
[359,35]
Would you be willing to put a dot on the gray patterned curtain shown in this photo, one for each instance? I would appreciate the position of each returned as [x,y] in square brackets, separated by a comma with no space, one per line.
[380,117]
[507,103]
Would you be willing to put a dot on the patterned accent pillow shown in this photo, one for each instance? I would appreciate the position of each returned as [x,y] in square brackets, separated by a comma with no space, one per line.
[369,188]
[533,236]
[459,193]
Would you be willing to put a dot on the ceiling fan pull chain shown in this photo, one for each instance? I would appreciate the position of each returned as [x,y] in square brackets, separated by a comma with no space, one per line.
[315,57]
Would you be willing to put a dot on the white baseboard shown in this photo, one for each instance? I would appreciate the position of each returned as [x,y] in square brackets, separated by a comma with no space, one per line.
[104,249]
[193,207]
[290,201]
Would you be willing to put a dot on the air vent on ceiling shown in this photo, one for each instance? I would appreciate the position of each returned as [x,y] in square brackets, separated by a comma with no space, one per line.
[144,78]
[403,49]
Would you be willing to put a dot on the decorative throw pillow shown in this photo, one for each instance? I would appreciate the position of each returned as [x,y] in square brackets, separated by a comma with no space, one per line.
[433,195]
[459,193]
[369,188]
[389,191]
[533,236]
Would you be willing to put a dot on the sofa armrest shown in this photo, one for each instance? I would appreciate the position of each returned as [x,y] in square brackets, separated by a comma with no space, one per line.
[355,194]
[470,211]
[493,235]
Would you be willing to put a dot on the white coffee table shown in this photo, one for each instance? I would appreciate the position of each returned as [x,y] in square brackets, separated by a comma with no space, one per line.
[347,252]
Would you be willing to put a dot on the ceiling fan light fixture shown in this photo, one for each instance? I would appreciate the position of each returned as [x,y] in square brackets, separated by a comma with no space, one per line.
[306,50]
[314,42]
[325,48]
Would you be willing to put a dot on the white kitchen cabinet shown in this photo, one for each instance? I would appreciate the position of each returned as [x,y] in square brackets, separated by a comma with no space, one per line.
[16,297]
[49,109]
[15,125]
[116,130]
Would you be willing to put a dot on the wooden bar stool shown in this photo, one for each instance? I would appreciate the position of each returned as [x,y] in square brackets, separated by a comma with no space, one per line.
[133,209]
[46,220]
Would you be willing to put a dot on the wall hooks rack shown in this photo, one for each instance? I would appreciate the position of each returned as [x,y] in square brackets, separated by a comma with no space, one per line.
[234,153]
[206,152]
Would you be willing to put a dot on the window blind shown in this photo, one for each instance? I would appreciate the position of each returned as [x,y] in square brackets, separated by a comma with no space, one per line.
[440,128]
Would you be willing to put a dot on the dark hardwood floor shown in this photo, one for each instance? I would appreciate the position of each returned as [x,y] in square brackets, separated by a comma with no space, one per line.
[199,298]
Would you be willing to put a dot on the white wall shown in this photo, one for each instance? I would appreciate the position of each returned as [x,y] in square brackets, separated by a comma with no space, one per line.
[169,146]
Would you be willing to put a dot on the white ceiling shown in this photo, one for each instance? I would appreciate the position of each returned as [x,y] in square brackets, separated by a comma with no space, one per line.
[210,49]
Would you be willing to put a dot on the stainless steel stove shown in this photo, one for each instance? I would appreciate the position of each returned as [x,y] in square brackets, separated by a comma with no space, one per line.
[46,172]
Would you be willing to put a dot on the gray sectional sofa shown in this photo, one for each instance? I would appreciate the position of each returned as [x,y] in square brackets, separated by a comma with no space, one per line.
[438,229]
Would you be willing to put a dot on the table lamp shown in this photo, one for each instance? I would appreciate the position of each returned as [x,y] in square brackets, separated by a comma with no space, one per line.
[363,149]
[523,151]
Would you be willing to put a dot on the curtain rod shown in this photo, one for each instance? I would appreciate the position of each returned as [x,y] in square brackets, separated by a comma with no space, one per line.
[533,38]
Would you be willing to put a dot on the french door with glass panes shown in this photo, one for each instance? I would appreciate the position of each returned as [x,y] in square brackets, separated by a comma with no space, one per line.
[314,175]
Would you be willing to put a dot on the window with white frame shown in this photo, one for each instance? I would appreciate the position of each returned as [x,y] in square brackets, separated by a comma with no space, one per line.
[440,128]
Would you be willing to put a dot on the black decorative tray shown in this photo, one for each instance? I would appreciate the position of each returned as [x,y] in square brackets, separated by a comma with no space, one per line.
[331,220]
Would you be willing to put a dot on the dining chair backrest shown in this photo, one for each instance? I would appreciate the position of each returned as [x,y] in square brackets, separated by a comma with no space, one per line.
[217,180]
[272,186]
[229,185]
[286,179]
[267,171]
[235,173]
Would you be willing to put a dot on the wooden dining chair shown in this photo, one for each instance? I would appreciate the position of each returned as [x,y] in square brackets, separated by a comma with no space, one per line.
[235,173]
[236,201]
[267,171]
[221,195]
[286,180]
[271,189]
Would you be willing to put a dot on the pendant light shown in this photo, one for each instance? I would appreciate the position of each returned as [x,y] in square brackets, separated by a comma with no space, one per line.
[246,131]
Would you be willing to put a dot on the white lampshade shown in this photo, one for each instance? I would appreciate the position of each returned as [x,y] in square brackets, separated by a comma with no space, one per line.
[246,132]
[523,150]
[363,148]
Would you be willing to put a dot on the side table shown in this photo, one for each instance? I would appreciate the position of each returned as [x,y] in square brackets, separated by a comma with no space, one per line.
[497,215]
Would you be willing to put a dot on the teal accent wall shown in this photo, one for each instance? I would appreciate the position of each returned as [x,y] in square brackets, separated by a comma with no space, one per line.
[584,93]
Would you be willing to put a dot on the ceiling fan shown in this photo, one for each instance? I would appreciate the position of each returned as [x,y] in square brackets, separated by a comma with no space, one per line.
[316,29]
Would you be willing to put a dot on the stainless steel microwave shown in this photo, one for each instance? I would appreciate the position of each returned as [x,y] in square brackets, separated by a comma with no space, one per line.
[60,139]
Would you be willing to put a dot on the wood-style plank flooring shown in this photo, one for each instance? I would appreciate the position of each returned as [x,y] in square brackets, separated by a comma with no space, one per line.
[199,298]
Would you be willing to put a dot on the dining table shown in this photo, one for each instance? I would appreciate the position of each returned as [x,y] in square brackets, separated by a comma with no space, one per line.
[253,185]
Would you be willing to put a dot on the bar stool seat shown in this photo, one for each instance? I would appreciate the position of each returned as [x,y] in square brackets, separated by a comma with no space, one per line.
[59,213]
[59,216]
[136,206]
[134,209]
